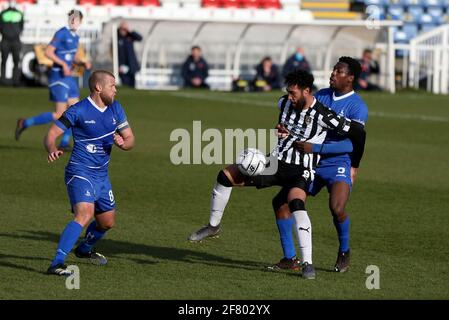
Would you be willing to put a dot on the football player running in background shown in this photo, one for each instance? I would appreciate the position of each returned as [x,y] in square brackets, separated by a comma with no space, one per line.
[98,122]
[301,118]
[64,52]
[337,168]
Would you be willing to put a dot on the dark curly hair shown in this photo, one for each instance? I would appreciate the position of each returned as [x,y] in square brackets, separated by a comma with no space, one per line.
[354,67]
[301,78]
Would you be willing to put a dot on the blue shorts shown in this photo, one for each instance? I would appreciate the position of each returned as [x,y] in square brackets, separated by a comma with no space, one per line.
[85,188]
[63,89]
[327,175]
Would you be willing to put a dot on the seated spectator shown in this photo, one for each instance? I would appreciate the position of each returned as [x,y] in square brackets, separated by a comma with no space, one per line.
[195,70]
[267,76]
[296,61]
[369,67]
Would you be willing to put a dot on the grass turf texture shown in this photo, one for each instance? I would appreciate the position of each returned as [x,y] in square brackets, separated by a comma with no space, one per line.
[398,209]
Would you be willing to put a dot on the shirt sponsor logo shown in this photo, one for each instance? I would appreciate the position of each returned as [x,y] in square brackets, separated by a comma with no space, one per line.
[90,121]
[91,148]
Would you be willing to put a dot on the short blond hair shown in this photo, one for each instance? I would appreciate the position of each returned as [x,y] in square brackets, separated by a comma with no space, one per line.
[98,76]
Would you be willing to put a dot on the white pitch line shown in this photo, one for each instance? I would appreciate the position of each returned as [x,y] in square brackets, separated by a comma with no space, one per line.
[405,116]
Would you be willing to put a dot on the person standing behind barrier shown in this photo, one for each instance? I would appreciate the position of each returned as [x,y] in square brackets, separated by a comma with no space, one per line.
[128,64]
[195,70]
[11,26]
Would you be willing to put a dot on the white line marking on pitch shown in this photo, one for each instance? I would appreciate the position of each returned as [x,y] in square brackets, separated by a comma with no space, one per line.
[405,116]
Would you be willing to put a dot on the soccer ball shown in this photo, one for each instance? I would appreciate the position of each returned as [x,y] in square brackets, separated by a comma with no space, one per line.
[251,162]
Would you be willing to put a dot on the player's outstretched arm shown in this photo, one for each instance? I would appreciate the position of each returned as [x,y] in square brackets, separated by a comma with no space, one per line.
[343,146]
[357,134]
[124,139]
[50,143]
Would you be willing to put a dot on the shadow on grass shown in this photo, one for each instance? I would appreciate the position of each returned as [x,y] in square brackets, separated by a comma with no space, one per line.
[19,147]
[119,249]
[5,263]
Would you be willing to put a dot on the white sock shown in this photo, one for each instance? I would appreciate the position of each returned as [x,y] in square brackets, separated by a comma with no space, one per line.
[304,235]
[218,202]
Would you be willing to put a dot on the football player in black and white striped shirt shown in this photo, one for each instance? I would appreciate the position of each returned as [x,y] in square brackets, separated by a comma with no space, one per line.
[302,118]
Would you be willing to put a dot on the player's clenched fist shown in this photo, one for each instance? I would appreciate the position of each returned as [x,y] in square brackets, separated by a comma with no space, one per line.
[53,156]
[118,140]
[282,131]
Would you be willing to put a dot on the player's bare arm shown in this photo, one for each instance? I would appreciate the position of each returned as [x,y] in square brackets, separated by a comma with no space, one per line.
[124,139]
[50,143]
[50,53]
[302,146]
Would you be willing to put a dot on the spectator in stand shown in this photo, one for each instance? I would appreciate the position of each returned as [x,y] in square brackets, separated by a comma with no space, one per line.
[296,61]
[195,70]
[369,67]
[128,64]
[267,76]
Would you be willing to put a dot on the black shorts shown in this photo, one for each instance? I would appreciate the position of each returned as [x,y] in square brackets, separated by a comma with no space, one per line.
[287,176]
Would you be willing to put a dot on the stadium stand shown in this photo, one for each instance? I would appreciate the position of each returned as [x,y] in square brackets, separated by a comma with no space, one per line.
[154,3]
[330,9]
[410,18]
[419,16]
[270,4]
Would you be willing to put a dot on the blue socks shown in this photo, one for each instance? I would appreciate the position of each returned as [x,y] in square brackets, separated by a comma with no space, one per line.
[68,239]
[288,246]
[42,118]
[285,227]
[91,238]
[65,140]
[343,233]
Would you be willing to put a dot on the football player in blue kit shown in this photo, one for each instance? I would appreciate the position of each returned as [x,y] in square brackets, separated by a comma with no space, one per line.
[338,166]
[98,122]
[64,52]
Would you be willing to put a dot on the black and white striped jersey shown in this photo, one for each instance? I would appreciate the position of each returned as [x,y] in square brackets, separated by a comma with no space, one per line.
[310,125]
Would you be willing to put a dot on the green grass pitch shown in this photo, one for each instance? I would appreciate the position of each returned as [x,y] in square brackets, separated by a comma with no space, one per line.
[399,207]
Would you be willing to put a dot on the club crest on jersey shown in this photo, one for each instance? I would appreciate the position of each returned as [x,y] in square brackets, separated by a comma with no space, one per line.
[114,122]
[308,119]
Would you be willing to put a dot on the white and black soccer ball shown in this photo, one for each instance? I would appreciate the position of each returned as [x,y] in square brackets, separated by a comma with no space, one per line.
[251,162]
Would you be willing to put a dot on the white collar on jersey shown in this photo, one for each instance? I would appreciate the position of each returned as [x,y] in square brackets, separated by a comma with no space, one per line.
[71,32]
[95,105]
[313,103]
[335,98]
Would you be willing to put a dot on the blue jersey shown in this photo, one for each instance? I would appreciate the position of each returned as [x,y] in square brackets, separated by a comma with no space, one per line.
[66,44]
[350,106]
[93,130]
